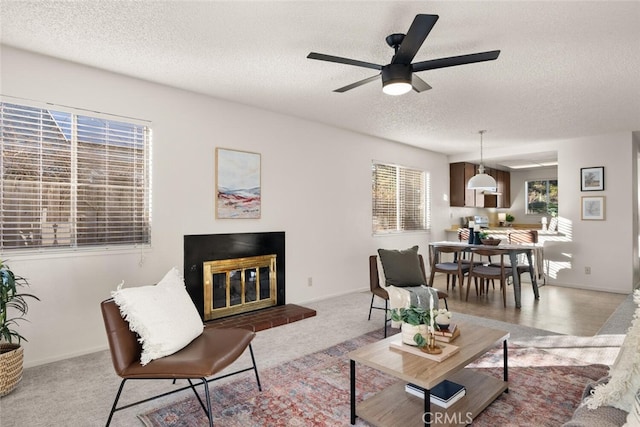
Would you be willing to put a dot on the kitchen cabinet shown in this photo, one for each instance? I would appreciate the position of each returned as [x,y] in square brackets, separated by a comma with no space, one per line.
[460,196]
[503,179]
[459,174]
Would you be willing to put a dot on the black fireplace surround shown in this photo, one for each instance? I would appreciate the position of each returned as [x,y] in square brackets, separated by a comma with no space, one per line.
[213,247]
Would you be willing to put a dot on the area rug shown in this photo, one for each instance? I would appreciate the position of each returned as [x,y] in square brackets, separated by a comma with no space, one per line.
[314,391]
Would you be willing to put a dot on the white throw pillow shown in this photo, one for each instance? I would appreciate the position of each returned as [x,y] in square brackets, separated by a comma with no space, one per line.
[163,315]
[620,390]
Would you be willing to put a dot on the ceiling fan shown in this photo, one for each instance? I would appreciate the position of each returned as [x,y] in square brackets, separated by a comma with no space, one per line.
[398,77]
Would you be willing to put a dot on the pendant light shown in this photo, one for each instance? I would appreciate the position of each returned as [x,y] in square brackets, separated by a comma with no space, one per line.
[482,181]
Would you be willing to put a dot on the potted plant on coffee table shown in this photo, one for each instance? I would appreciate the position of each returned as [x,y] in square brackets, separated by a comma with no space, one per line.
[415,324]
[13,309]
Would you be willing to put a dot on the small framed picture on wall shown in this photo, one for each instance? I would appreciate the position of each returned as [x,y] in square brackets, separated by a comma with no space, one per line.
[592,179]
[592,208]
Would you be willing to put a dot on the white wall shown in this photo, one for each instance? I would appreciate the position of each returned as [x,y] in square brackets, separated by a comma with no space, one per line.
[608,246]
[636,208]
[316,186]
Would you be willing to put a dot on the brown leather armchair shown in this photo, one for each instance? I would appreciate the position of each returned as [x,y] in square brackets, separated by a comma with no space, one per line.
[205,356]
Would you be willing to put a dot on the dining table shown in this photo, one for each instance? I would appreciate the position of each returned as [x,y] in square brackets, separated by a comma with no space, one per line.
[513,250]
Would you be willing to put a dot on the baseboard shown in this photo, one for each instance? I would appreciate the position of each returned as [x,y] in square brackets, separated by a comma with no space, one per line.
[38,362]
[339,294]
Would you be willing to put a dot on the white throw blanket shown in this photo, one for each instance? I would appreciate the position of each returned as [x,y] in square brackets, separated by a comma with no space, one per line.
[411,295]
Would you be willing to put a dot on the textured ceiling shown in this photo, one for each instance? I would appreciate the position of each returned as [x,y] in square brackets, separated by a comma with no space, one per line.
[566,69]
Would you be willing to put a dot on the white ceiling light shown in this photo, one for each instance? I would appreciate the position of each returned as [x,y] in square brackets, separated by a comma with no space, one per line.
[396,88]
[482,181]
[396,79]
[528,165]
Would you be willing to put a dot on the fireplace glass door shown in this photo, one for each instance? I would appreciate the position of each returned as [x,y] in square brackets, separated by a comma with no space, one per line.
[238,285]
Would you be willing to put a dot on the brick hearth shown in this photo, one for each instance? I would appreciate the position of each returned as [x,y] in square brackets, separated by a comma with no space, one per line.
[265,318]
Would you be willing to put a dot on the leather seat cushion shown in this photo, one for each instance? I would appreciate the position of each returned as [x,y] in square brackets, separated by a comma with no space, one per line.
[209,353]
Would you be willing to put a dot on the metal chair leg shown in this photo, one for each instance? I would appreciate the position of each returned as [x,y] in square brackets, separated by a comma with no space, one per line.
[386,310]
[204,407]
[255,367]
[208,398]
[115,402]
[371,306]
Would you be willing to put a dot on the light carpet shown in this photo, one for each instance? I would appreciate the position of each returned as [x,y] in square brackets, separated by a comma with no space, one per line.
[313,390]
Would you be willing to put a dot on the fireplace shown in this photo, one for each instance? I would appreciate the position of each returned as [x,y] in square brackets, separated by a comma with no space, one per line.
[228,274]
[239,285]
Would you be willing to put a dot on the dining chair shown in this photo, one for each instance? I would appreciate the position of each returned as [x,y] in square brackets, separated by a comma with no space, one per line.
[524,237]
[489,271]
[456,268]
[463,236]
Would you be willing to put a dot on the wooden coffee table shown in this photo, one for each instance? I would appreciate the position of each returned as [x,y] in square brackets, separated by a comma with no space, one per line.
[395,407]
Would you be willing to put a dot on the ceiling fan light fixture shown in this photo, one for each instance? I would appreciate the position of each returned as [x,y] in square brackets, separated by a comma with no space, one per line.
[396,79]
[396,88]
[482,181]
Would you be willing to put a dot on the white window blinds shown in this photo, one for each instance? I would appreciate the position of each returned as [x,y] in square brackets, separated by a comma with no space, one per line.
[71,180]
[400,199]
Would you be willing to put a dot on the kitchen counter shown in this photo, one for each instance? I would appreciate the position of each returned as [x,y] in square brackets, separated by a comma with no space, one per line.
[494,230]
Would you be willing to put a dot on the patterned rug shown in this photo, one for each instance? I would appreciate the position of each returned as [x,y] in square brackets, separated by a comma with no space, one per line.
[314,391]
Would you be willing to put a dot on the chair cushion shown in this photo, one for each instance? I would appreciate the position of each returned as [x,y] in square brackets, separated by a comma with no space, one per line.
[452,267]
[402,267]
[208,354]
[163,315]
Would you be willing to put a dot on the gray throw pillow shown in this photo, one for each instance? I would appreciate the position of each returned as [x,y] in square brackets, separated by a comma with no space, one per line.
[401,267]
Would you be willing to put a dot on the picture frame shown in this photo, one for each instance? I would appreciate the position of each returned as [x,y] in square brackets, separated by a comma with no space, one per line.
[238,184]
[593,208]
[592,178]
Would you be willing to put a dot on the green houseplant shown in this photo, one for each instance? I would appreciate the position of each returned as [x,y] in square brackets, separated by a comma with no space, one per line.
[418,319]
[13,309]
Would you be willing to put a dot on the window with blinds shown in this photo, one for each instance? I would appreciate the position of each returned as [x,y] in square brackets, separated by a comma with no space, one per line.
[400,199]
[71,181]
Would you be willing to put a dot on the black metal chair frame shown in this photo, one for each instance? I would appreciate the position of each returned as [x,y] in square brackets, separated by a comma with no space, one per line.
[204,381]
[374,280]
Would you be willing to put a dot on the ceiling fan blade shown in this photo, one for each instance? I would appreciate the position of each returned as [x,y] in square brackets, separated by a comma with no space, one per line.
[418,32]
[340,60]
[418,84]
[455,60]
[358,83]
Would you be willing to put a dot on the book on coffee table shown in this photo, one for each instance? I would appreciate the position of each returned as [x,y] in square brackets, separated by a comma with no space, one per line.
[449,331]
[444,394]
[446,336]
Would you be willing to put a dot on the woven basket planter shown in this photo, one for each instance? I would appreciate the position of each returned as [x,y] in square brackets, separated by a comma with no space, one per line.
[11,356]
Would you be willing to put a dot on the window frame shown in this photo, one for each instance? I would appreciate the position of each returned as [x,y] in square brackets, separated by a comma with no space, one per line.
[548,210]
[137,185]
[401,219]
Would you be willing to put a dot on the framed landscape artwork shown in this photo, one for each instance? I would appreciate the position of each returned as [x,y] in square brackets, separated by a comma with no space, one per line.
[238,189]
[593,208]
[592,179]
